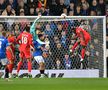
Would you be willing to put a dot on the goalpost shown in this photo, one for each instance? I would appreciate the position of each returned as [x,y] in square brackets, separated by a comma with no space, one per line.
[59,33]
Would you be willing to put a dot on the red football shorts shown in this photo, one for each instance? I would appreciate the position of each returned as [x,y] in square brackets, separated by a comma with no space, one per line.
[25,54]
[84,42]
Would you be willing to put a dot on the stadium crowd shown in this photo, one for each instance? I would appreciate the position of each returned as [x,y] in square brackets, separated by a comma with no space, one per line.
[52,7]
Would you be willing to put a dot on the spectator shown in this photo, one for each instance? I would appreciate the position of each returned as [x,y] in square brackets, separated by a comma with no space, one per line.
[60,7]
[101,10]
[71,7]
[93,13]
[67,2]
[58,52]
[22,5]
[54,7]
[13,3]
[94,5]
[2,6]
[59,30]
[67,61]
[8,11]
[23,23]
[58,64]
[78,10]
[85,10]
[65,11]
[48,31]
[56,40]
[63,39]
[32,3]
[84,2]
[37,11]
[47,46]
[16,30]
[71,13]
[1,29]
[21,13]
[32,11]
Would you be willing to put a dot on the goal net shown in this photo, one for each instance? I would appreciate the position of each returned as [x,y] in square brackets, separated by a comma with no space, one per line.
[59,34]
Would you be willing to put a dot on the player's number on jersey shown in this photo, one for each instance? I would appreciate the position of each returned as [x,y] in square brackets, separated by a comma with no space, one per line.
[24,40]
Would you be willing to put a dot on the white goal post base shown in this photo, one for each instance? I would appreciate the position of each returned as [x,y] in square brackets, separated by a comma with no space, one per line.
[63,73]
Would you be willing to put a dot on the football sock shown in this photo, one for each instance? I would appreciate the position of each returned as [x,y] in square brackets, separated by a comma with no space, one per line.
[29,66]
[6,72]
[19,66]
[10,66]
[41,71]
[83,53]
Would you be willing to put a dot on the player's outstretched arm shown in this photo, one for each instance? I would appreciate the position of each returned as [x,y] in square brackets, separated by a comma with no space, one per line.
[32,28]
[34,23]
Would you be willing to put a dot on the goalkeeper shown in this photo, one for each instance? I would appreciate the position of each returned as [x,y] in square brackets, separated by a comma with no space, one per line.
[39,46]
[33,29]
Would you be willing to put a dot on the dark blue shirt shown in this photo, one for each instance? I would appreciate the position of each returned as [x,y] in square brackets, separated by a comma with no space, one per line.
[3,44]
[37,46]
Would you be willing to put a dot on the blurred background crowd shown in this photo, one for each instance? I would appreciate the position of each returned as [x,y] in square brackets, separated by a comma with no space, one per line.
[52,7]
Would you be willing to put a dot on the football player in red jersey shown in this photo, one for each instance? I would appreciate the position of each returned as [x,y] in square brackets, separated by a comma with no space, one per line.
[10,53]
[25,41]
[84,38]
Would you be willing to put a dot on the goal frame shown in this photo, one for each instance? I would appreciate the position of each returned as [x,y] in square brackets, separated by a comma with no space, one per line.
[75,17]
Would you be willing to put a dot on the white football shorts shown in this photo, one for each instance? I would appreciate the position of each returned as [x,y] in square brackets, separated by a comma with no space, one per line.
[4,61]
[39,59]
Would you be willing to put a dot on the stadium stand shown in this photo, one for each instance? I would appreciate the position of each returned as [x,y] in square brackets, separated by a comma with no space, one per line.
[52,7]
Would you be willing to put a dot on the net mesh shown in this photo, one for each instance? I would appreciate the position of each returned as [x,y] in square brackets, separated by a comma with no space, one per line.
[59,33]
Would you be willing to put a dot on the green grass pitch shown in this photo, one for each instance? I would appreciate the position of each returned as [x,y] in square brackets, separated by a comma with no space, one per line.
[55,84]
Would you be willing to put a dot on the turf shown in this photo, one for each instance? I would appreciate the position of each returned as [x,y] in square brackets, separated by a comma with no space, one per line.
[55,84]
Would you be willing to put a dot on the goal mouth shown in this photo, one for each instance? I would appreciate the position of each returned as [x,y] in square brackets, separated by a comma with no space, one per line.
[59,32]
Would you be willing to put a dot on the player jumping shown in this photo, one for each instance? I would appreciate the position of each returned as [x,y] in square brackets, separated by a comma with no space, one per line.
[11,53]
[25,42]
[39,46]
[38,54]
[84,38]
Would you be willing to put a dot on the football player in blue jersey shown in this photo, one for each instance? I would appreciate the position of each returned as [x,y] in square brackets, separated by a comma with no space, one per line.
[39,47]
[39,53]
[3,46]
